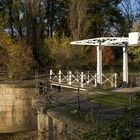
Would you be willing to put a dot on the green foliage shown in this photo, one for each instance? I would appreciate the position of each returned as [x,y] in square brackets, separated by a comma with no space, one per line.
[72,110]
[106,124]
[136,26]
[121,128]
[135,53]
[19,59]
[53,22]
[56,52]
[106,86]
[135,50]
[118,128]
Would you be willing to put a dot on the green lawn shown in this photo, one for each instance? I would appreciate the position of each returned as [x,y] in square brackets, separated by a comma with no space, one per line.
[113,99]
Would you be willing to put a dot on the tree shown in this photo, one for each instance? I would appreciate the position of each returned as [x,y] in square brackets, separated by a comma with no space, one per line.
[137,10]
[128,9]
[77,18]
[18,59]
[34,19]
[56,53]
[91,19]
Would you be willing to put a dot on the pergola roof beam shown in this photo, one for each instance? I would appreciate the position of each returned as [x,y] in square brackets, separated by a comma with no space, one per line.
[105,41]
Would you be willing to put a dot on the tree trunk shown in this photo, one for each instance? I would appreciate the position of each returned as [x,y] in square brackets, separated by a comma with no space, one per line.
[11,21]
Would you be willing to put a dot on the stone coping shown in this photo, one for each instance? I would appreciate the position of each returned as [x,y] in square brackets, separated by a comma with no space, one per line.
[65,118]
[18,83]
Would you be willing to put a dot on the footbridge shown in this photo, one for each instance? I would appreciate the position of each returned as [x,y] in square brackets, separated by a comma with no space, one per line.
[87,80]
[132,40]
[84,80]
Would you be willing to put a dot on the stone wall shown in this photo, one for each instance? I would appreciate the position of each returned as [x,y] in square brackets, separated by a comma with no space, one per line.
[49,127]
[57,125]
[16,112]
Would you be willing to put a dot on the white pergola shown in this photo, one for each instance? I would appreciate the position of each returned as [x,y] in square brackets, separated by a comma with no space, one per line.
[124,42]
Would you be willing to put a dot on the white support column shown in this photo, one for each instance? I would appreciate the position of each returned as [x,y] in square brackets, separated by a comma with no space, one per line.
[125,65]
[99,64]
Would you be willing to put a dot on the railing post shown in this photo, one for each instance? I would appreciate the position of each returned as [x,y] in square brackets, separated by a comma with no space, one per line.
[77,76]
[59,77]
[115,79]
[95,79]
[78,101]
[69,77]
[36,75]
[112,80]
[51,75]
[87,77]
[82,79]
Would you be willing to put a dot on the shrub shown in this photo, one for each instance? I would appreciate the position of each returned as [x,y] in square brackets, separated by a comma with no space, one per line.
[19,58]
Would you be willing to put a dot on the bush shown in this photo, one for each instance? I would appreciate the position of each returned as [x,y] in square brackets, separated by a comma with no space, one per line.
[20,61]
[19,58]
[55,52]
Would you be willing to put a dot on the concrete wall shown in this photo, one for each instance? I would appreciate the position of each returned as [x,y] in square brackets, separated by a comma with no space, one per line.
[49,127]
[16,112]
[57,125]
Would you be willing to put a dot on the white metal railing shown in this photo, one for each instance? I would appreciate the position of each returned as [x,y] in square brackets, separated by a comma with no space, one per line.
[81,79]
[112,80]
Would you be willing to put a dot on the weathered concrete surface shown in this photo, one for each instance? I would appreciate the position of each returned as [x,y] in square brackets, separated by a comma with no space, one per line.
[53,124]
[16,112]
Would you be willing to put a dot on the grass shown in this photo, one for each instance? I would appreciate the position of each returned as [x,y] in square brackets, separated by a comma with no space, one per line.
[113,99]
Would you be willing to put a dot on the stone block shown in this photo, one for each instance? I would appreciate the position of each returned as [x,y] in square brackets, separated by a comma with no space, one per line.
[9,91]
[21,95]
[2,90]
[8,108]
[18,91]
[9,122]
[9,96]
[19,108]
[2,127]
[2,108]
[9,114]
[18,102]
[2,102]
[2,117]
[1,95]
[9,102]
[19,117]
